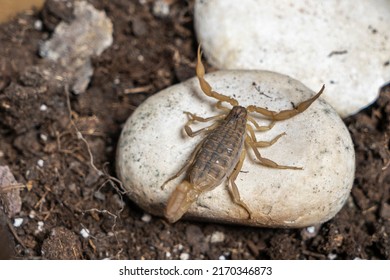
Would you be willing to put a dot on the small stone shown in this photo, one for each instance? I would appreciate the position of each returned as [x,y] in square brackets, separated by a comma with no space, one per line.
[184,256]
[40,163]
[18,222]
[43,108]
[311,229]
[153,147]
[84,233]
[32,214]
[146,218]
[310,232]
[180,247]
[43,137]
[317,42]
[40,225]
[161,8]
[38,25]
[217,237]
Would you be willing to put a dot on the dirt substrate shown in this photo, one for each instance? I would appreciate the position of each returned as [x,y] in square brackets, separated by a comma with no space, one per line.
[150,52]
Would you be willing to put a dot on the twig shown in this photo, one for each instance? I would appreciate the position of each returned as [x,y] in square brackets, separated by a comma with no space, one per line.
[79,134]
[108,179]
[138,89]
[11,228]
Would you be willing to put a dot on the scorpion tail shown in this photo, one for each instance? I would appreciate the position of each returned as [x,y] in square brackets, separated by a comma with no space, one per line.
[179,202]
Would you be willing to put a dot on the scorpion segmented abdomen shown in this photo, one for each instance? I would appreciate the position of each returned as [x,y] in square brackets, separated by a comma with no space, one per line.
[220,151]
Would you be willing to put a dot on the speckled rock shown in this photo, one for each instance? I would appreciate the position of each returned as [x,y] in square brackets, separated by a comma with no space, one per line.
[337,43]
[153,146]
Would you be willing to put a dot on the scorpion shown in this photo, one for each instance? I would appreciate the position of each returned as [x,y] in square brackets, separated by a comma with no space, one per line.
[221,154]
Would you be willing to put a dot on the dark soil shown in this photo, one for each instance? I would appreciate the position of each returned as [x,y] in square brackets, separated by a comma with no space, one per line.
[150,52]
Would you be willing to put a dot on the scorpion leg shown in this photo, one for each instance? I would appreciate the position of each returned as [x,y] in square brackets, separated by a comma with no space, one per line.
[191,133]
[235,194]
[262,144]
[265,161]
[286,114]
[262,127]
[221,107]
[194,118]
[205,86]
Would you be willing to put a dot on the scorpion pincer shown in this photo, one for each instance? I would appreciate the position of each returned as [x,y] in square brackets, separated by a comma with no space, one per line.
[221,154]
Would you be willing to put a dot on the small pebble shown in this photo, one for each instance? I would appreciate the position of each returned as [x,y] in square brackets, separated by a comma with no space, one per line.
[32,214]
[184,256]
[40,163]
[146,218]
[311,229]
[222,258]
[180,247]
[38,25]
[18,222]
[84,232]
[40,225]
[217,237]
[161,8]
[154,147]
[43,108]
[43,137]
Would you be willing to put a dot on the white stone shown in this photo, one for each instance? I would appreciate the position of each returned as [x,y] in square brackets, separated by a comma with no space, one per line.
[146,218]
[84,233]
[38,25]
[217,237]
[153,147]
[32,214]
[40,225]
[18,222]
[40,162]
[161,8]
[43,107]
[184,256]
[337,43]
[311,229]
[43,137]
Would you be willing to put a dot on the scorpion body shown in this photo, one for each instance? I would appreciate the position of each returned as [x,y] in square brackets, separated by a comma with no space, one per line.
[221,154]
[214,160]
